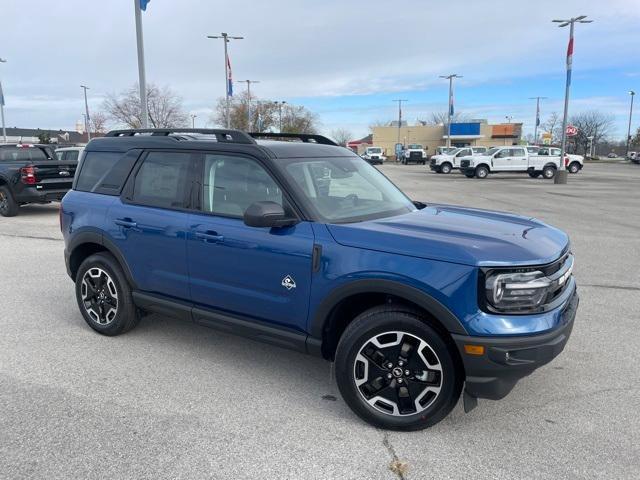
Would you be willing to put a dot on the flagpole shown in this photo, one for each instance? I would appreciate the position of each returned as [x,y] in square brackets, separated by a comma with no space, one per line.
[142,80]
[450,110]
[227,81]
[535,131]
[4,130]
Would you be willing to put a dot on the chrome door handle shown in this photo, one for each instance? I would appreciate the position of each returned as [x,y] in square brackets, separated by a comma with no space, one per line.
[209,237]
[126,223]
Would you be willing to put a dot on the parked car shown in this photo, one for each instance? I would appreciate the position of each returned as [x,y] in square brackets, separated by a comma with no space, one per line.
[634,157]
[446,162]
[574,163]
[612,155]
[414,153]
[510,159]
[69,153]
[29,173]
[374,155]
[412,302]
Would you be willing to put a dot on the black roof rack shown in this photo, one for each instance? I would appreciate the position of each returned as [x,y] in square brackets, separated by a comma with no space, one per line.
[222,135]
[303,137]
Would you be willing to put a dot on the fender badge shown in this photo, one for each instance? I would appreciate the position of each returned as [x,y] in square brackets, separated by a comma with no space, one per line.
[288,282]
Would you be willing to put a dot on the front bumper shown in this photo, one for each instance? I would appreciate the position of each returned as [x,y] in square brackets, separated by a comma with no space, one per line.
[508,359]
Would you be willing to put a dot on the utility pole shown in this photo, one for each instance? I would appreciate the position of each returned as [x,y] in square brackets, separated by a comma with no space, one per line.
[142,78]
[561,175]
[227,72]
[280,104]
[535,131]
[450,111]
[632,94]
[87,119]
[193,120]
[508,118]
[249,82]
[399,126]
[4,130]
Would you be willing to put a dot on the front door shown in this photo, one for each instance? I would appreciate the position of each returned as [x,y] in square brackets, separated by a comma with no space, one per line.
[502,160]
[260,273]
[465,152]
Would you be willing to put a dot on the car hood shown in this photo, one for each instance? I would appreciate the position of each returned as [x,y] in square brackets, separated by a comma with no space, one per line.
[459,235]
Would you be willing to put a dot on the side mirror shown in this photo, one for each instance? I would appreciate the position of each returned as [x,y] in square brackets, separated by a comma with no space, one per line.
[267,214]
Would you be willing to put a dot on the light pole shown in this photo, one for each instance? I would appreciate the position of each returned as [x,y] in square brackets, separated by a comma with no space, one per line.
[249,82]
[227,71]
[450,111]
[508,118]
[535,131]
[631,94]
[4,130]
[399,125]
[280,104]
[561,175]
[142,78]
[87,119]
[193,120]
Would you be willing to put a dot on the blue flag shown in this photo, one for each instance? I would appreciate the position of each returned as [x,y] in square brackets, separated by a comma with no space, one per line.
[143,5]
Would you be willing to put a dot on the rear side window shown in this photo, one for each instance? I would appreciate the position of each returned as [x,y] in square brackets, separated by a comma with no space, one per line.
[94,169]
[162,180]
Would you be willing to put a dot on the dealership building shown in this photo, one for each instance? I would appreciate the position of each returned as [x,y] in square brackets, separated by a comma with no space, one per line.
[476,132]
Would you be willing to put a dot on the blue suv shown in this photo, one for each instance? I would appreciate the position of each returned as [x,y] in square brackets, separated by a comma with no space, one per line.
[293,240]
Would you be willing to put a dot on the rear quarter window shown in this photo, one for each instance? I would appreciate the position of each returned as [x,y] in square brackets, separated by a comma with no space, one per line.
[94,169]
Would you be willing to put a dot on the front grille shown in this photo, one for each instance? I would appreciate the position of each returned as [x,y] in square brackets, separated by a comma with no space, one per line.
[465,163]
[433,162]
[375,157]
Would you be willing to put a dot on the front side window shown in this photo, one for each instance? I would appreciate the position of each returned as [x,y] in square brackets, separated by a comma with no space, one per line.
[162,180]
[233,183]
[346,189]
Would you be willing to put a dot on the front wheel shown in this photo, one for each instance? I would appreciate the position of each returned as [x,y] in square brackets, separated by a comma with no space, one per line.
[445,168]
[482,171]
[395,371]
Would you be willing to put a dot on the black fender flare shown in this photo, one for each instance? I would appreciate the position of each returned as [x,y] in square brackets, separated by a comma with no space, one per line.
[483,164]
[98,238]
[390,287]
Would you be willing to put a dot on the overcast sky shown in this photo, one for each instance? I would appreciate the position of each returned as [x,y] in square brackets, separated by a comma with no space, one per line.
[345,60]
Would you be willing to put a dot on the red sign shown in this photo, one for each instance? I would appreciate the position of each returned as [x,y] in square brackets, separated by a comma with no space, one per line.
[571,131]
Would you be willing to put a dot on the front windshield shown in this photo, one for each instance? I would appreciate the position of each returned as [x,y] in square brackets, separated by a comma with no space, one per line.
[346,189]
[492,151]
[374,150]
[415,146]
[453,151]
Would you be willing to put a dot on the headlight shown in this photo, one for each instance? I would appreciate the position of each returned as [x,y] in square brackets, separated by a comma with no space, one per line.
[517,291]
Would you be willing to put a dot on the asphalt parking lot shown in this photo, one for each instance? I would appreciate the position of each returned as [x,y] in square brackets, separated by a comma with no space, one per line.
[175,400]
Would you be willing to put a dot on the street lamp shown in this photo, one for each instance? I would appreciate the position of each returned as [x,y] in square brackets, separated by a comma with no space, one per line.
[279,105]
[450,112]
[631,94]
[193,120]
[227,71]
[4,130]
[248,82]
[561,175]
[535,131]
[87,120]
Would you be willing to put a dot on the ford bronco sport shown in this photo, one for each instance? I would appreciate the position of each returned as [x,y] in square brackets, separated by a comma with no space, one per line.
[305,245]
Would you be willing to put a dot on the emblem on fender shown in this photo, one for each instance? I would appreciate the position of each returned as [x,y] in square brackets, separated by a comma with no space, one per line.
[288,282]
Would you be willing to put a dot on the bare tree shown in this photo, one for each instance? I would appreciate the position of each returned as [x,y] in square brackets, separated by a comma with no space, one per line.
[635,139]
[440,118]
[297,119]
[553,125]
[99,122]
[341,136]
[592,123]
[164,105]
[378,123]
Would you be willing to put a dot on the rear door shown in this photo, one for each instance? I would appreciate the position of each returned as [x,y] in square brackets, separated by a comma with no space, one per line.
[519,159]
[258,273]
[148,223]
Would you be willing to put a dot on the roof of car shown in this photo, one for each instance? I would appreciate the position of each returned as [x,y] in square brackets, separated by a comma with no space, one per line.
[304,146]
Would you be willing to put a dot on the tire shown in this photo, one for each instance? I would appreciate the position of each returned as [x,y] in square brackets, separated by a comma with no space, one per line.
[534,174]
[482,171]
[8,206]
[436,393]
[445,168]
[110,311]
[549,172]
[574,167]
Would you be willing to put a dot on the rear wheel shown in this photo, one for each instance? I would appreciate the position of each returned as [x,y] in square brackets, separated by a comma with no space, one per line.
[8,206]
[574,167]
[482,171]
[395,371]
[549,172]
[445,168]
[104,295]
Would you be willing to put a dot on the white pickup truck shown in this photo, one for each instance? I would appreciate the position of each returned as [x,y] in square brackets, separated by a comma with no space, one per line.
[445,162]
[574,163]
[374,155]
[414,153]
[509,159]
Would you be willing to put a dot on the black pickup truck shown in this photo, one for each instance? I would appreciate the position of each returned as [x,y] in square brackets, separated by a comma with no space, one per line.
[31,174]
